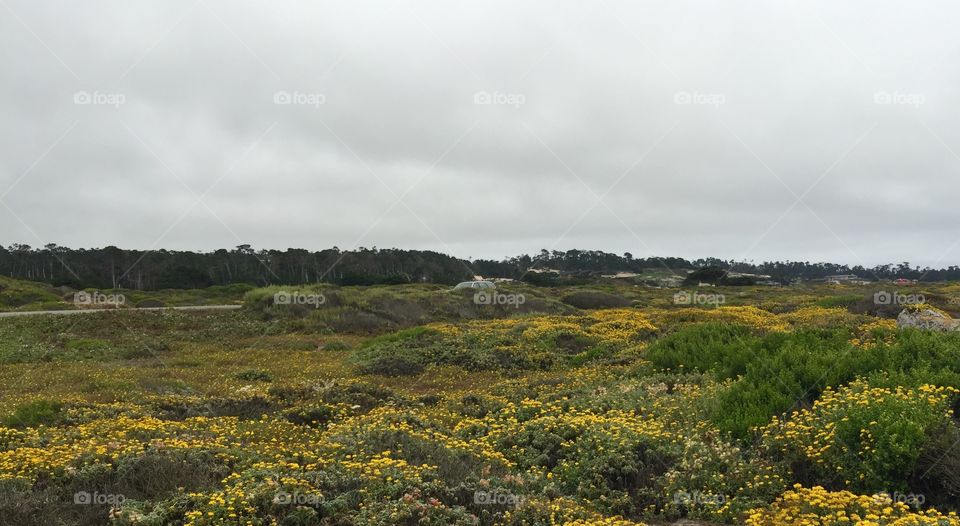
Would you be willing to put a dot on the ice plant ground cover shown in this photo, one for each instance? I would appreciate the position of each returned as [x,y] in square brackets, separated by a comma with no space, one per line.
[785,408]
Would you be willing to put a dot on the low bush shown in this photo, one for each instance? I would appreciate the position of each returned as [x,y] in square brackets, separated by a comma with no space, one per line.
[254,375]
[591,299]
[181,406]
[315,415]
[336,345]
[846,301]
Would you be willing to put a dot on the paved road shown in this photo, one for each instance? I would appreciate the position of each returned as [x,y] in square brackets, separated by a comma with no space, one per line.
[88,311]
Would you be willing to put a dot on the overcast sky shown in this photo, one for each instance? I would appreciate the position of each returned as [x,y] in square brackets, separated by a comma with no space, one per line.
[746,130]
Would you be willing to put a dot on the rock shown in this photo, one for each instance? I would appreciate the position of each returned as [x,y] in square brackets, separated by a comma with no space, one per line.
[927,319]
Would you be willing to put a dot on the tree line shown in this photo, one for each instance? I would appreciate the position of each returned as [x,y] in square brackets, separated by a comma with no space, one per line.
[113,267]
[596,261]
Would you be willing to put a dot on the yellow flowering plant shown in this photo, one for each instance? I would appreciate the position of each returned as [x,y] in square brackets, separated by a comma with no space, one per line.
[818,507]
[868,437]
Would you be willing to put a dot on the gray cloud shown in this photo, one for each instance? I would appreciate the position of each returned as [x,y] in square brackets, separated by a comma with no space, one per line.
[699,124]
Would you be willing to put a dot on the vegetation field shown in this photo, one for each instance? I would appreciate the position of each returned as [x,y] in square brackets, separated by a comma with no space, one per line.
[606,404]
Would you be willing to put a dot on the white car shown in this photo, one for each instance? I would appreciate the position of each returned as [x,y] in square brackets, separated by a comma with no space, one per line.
[475,285]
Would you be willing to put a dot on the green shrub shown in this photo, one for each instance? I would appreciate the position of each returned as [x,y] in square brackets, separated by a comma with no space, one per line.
[409,351]
[394,366]
[363,394]
[391,360]
[419,512]
[846,301]
[36,413]
[152,513]
[591,299]
[721,348]
[786,370]
[313,416]
[182,406]
[773,373]
[336,345]
[155,475]
[254,375]
[477,406]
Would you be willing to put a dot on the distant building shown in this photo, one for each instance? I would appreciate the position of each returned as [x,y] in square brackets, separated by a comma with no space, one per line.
[542,270]
[848,279]
[670,281]
[733,274]
[620,275]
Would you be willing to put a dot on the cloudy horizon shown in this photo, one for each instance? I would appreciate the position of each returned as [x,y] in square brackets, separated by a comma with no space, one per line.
[747,131]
